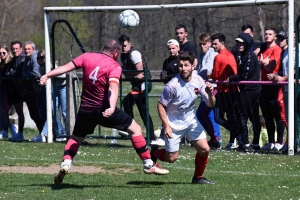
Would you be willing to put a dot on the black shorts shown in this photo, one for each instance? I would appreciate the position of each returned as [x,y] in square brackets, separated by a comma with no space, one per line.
[86,122]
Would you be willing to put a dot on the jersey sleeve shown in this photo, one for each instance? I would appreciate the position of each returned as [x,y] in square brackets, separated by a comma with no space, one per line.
[167,95]
[115,73]
[78,61]
[136,57]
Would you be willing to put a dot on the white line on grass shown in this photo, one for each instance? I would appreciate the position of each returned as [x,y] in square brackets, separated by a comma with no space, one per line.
[169,166]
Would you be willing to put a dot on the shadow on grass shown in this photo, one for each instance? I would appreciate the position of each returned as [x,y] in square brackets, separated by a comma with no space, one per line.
[155,183]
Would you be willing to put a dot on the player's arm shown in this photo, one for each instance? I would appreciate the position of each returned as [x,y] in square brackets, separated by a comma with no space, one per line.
[163,117]
[113,90]
[139,66]
[211,101]
[58,71]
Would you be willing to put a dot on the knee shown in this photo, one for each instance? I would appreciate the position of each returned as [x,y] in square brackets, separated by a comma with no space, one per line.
[171,158]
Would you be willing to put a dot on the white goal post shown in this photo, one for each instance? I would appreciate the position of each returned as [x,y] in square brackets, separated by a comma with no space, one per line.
[222,4]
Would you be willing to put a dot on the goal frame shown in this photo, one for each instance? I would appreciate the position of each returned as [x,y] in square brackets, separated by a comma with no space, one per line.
[47,29]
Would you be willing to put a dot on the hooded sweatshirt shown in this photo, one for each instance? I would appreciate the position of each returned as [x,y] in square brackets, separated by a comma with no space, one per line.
[248,65]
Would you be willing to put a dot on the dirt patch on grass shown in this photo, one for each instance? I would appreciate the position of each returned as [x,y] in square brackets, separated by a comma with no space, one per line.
[52,169]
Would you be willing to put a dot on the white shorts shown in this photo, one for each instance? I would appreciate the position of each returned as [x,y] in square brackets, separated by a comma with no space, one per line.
[193,132]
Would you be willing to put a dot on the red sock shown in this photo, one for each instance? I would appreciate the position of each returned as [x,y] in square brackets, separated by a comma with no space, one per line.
[160,154]
[71,149]
[140,146]
[200,165]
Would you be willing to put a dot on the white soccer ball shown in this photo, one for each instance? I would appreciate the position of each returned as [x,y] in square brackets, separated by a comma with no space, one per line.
[129,18]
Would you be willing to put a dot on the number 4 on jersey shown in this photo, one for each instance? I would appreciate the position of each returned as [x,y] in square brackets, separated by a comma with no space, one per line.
[93,74]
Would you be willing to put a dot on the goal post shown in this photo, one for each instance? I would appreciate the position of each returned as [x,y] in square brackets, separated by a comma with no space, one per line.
[95,24]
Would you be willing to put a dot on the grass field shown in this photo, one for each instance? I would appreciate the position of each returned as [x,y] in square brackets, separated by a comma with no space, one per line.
[105,171]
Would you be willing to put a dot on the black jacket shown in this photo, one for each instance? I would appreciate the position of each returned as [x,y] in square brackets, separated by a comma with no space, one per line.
[248,65]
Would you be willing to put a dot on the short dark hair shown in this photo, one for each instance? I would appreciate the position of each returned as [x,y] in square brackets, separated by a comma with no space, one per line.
[187,56]
[16,42]
[246,26]
[124,38]
[219,36]
[179,26]
[112,45]
[272,29]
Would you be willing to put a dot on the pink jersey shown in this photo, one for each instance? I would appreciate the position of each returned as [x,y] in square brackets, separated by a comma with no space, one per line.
[98,69]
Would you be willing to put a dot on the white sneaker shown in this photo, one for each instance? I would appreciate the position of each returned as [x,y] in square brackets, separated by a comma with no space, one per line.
[277,147]
[267,146]
[155,169]
[123,133]
[158,142]
[64,169]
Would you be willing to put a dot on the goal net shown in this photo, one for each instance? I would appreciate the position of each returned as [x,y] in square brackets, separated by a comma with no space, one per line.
[92,27]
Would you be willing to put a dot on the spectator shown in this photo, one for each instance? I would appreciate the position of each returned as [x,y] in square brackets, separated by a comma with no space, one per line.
[13,87]
[205,114]
[248,101]
[247,28]
[225,66]
[60,99]
[33,94]
[185,44]
[5,57]
[132,59]
[176,109]
[98,105]
[271,105]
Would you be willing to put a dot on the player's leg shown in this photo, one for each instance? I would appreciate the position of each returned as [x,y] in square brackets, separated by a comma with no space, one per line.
[122,121]
[197,136]
[84,125]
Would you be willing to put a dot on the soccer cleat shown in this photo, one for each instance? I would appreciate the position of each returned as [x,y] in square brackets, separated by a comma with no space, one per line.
[202,181]
[267,147]
[59,177]
[277,147]
[155,169]
[159,142]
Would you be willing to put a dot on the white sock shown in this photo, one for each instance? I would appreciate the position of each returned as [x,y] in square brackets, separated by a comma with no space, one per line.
[148,163]
[66,162]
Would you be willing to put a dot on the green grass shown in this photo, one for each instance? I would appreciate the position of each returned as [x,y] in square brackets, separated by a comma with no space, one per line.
[238,175]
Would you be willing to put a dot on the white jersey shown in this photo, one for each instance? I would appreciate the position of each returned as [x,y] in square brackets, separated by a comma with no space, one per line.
[179,97]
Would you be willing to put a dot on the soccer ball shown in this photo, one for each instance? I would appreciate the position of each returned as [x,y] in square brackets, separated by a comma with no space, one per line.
[129,18]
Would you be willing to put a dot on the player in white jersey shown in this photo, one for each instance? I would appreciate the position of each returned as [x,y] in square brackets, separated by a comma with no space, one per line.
[177,112]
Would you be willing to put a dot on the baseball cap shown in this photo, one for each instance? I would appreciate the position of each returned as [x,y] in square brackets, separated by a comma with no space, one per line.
[239,39]
[172,41]
[282,34]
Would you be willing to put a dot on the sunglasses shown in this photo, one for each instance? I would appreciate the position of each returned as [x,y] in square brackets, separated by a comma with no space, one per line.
[3,53]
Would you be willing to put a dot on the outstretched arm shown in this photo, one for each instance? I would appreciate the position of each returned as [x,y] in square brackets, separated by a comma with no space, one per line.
[58,71]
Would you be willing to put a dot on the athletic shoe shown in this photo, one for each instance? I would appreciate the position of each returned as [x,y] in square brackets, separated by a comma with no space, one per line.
[14,129]
[64,169]
[256,147]
[39,138]
[277,147]
[159,142]
[202,181]
[246,148]
[284,148]
[60,139]
[4,134]
[231,146]
[214,144]
[267,147]
[17,137]
[155,169]
[59,177]
[123,134]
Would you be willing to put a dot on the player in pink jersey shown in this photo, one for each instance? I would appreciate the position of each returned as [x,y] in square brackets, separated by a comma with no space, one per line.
[101,75]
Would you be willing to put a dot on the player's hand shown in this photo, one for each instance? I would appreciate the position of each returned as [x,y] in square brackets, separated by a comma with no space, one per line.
[168,132]
[139,76]
[209,88]
[43,80]
[108,112]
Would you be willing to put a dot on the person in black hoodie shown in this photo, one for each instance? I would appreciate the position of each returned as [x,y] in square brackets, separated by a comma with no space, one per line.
[248,100]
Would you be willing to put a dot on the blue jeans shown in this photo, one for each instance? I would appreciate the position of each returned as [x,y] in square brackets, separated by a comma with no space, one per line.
[60,102]
[206,117]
